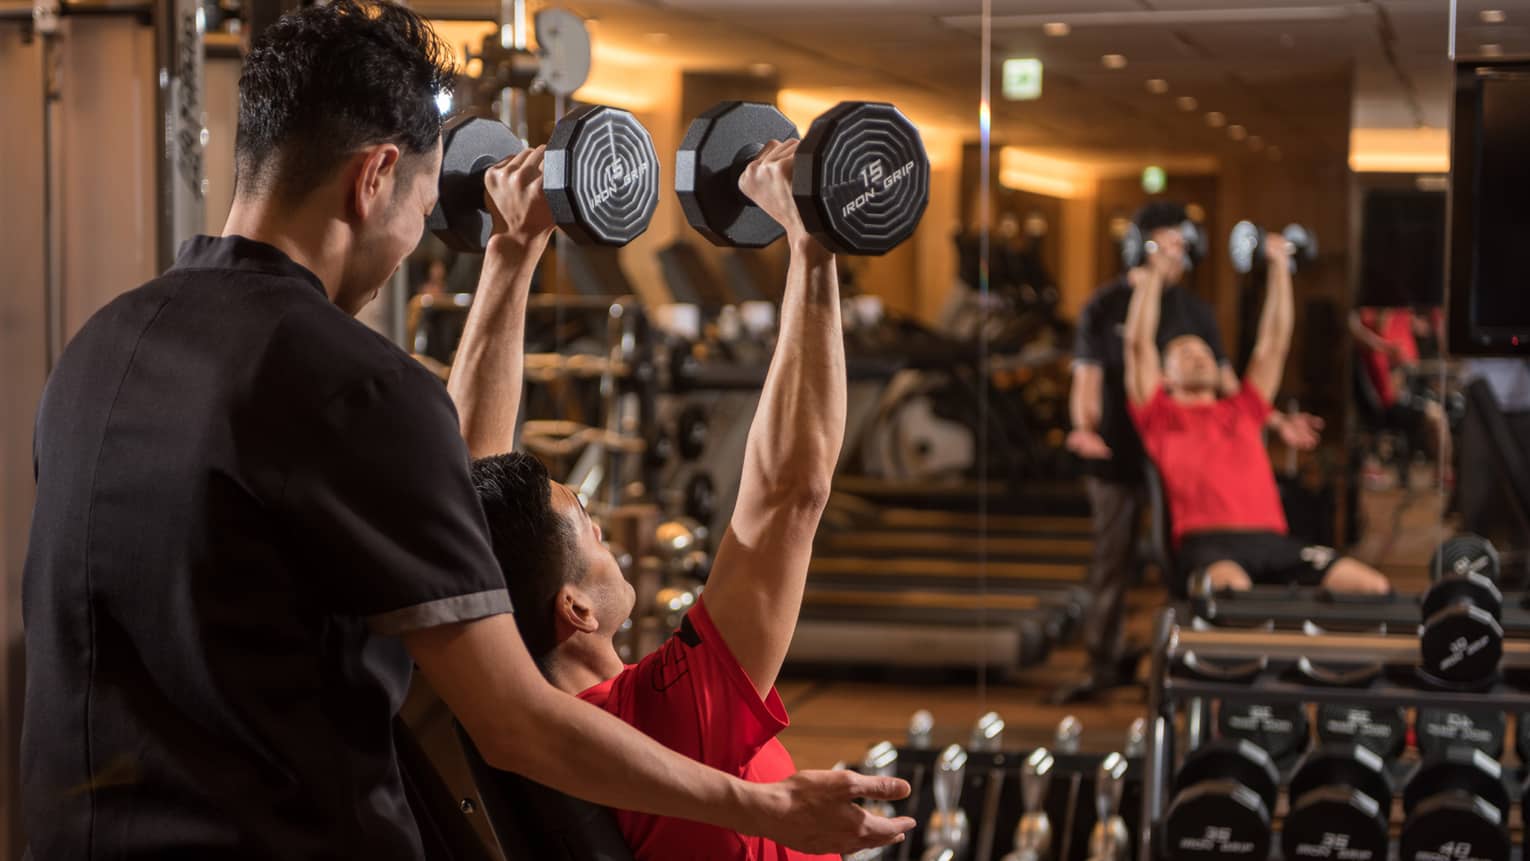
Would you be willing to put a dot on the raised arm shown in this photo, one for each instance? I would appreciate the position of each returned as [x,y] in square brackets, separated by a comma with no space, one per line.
[755,590]
[1268,361]
[485,382]
[1144,372]
[521,723]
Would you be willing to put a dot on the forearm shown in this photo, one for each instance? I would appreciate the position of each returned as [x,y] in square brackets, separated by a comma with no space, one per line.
[799,426]
[1140,338]
[488,370]
[1084,406]
[1277,318]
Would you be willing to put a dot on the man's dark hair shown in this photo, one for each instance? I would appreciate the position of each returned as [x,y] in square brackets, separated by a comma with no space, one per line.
[1158,214]
[537,549]
[326,81]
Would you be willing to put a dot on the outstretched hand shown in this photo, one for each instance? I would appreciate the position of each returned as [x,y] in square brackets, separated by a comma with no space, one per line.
[1301,431]
[816,812]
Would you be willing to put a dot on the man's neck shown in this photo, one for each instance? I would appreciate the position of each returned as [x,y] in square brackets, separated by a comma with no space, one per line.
[1195,397]
[582,662]
[314,240]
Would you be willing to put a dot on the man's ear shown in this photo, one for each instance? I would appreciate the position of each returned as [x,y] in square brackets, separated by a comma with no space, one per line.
[375,178]
[574,611]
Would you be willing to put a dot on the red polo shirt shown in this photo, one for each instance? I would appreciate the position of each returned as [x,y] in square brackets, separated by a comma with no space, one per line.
[692,696]
[1216,472]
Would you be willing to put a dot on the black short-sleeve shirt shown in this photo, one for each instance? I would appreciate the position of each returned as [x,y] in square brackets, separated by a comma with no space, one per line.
[243,494]
[1100,342]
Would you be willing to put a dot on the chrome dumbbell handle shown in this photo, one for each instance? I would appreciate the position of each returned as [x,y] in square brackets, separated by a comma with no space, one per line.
[1066,740]
[987,734]
[920,726]
[1036,778]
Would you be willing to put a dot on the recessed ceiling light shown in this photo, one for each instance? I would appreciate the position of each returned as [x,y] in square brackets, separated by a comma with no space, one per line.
[1157,86]
[1492,49]
[1056,28]
[1187,103]
[657,38]
[762,70]
[1113,61]
[1216,119]
[1274,153]
[1237,132]
[1255,143]
[1492,16]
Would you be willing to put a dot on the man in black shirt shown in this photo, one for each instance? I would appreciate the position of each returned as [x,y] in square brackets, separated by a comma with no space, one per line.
[1105,439]
[254,515]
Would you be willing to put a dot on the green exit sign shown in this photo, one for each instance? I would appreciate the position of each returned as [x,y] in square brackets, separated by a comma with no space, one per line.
[1153,179]
[1022,78]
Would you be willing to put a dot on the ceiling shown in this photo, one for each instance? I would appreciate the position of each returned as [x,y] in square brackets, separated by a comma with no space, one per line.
[1283,70]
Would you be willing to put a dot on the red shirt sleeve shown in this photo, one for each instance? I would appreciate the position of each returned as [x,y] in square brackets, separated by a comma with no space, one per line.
[693,696]
[1250,403]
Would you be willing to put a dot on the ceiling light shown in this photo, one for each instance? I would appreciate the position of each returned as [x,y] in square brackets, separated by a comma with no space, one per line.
[1113,61]
[1216,119]
[1157,86]
[1255,143]
[657,38]
[1196,213]
[1056,29]
[1492,16]
[762,70]
[1492,49]
[1237,132]
[1187,103]
[1274,153]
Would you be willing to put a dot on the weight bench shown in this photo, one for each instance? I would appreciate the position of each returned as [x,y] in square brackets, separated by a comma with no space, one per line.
[1159,546]
[1505,451]
[534,821]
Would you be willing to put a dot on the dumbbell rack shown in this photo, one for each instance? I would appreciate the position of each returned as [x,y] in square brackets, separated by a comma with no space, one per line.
[1174,692]
[1283,606]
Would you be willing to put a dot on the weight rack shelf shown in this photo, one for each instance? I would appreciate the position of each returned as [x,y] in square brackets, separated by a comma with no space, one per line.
[1173,690]
[1285,607]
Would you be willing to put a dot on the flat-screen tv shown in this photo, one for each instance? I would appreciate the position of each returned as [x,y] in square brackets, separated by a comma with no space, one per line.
[1489,269]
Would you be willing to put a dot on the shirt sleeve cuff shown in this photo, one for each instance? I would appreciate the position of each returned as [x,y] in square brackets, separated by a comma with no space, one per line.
[444,611]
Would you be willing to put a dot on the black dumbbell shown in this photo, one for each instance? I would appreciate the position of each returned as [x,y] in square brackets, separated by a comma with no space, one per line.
[1457,807]
[1135,247]
[1438,729]
[1246,245]
[1465,554]
[1382,730]
[1332,674]
[1340,803]
[1461,641]
[1280,729]
[600,175]
[861,180]
[1224,795]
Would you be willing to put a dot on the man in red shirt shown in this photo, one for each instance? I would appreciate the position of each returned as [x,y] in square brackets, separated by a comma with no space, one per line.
[1210,450]
[709,692]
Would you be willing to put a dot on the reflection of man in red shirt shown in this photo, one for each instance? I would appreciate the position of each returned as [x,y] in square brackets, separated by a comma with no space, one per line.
[1210,451]
[709,692]
[1389,342]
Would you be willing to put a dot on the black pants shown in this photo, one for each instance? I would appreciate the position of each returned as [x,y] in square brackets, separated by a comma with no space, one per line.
[1115,510]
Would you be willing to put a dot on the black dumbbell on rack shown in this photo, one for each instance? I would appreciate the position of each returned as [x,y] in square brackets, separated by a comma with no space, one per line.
[861,180]
[1223,803]
[1457,807]
[600,174]
[1340,802]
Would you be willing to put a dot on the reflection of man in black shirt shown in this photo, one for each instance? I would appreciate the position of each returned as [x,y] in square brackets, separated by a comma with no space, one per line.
[254,514]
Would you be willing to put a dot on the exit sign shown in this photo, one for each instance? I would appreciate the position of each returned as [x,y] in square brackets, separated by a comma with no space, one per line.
[1021,80]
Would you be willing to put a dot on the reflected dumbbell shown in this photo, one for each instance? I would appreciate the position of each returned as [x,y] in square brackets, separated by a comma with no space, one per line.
[948,828]
[1066,739]
[1136,739]
[920,726]
[1033,835]
[1109,840]
[1340,801]
[881,760]
[1457,807]
[1224,797]
[987,734]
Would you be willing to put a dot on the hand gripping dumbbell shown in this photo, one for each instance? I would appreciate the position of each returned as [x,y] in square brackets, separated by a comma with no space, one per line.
[1246,245]
[1340,802]
[1461,640]
[1109,840]
[861,179]
[600,175]
[1033,834]
[1457,808]
[948,827]
[987,734]
[1224,796]
[920,726]
[1135,247]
